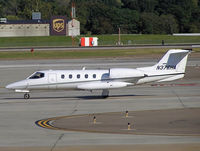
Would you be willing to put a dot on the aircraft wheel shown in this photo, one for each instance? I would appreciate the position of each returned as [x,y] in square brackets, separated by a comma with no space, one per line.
[105,96]
[26,96]
[105,93]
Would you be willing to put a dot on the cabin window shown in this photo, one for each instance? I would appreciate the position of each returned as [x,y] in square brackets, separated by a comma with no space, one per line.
[94,76]
[70,76]
[78,76]
[37,75]
[86,76]
[62,76]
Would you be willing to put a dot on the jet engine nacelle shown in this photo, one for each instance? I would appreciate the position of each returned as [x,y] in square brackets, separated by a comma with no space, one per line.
[124,73]
[100,85]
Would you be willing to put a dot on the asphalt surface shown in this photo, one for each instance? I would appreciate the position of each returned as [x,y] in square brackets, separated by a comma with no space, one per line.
[181,122]
[18,116]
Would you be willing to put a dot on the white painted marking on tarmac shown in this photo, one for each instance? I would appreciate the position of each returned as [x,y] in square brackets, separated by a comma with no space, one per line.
[132,129]
[92,123]
[195,46]
[127,117]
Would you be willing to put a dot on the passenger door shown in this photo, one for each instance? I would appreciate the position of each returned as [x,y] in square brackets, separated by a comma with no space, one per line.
[52,80]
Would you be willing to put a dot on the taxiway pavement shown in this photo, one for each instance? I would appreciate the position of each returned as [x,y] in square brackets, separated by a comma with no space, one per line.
[18,116]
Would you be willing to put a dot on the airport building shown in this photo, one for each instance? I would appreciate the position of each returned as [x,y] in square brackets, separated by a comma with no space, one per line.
[73,28]
[24,28]
[59,25]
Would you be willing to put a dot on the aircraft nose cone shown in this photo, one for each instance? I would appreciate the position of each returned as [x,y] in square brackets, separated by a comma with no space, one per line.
[11,86]
[17,85]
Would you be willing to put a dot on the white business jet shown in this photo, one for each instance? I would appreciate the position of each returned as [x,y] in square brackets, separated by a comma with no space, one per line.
[170,67]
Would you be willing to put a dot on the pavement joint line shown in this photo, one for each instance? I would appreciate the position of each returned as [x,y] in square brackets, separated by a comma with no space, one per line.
[59,138]
[179,99]
[74,108]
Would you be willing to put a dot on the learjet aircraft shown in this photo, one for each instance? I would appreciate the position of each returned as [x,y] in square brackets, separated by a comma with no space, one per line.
[170,67]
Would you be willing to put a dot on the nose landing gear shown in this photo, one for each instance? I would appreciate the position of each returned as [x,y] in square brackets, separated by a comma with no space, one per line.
[26,96]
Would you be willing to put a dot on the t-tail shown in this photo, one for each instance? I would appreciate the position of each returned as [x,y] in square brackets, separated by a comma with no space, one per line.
[171,67]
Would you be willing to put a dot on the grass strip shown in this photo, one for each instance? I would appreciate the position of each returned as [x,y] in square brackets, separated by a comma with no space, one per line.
[56,41]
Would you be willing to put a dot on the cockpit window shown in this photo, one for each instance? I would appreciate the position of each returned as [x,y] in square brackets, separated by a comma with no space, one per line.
[37,75]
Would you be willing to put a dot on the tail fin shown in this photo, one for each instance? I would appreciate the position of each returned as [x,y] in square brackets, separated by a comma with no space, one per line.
[170,67]
[174,60]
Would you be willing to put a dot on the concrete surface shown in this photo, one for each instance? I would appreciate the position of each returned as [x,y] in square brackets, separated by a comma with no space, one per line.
[181,122]
[18,116]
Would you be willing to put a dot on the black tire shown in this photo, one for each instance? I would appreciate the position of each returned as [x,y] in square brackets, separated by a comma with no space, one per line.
[105,93]
[105,96]
[26,96]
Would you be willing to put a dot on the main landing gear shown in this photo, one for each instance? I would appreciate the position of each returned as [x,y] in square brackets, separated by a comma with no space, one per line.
[26,96]
[105,93]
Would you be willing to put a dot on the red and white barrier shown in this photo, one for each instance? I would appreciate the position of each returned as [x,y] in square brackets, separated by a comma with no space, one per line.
[89,41]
